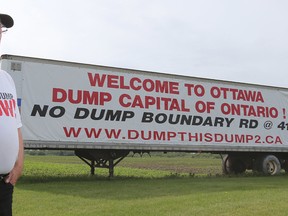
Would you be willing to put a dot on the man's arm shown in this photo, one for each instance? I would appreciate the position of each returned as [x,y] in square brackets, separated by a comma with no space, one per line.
[18,167]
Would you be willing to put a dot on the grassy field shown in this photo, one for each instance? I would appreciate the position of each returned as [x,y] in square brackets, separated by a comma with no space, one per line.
[58,185]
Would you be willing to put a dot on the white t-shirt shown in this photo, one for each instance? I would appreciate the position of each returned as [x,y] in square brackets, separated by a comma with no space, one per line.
[9,123]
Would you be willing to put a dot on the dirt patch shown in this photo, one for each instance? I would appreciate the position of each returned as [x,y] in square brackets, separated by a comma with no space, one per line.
[177,168]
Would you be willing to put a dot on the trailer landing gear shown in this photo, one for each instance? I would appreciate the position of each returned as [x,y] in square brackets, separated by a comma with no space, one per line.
[101,158]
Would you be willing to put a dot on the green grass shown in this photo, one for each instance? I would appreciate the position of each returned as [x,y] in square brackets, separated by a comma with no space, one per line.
[54,185]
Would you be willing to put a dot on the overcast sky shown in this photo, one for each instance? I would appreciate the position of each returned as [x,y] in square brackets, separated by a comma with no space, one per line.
[237,40]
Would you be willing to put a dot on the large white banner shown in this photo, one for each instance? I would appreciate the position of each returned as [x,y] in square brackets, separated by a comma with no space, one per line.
[65,103]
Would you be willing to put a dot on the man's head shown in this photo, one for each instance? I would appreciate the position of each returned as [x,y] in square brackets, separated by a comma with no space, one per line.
[6,20]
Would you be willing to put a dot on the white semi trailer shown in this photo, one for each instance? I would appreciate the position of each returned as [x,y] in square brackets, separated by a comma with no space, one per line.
[103,113]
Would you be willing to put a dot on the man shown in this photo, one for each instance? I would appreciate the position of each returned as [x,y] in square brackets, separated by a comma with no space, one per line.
[11,144]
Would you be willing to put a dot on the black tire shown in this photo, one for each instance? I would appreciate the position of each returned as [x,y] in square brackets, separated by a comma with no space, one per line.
[270,165]
[226,165]
[233,165]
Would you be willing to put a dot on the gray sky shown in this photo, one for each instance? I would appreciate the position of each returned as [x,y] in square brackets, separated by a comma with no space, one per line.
[237,40]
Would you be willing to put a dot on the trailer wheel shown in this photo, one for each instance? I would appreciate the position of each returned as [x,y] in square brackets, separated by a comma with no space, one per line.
[226,165]
[270,165]
[233,165]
